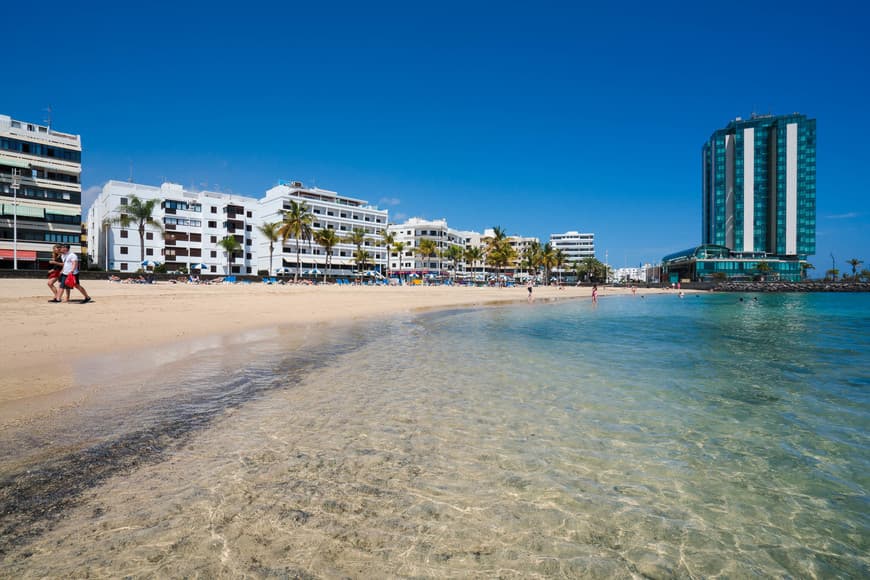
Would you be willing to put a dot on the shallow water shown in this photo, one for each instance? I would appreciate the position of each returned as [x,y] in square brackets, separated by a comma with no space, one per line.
[664,437]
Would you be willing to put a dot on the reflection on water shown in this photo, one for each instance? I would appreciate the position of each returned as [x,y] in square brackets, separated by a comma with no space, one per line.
[659,437]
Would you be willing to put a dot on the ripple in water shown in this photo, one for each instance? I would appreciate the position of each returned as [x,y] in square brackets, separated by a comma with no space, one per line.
[657,437]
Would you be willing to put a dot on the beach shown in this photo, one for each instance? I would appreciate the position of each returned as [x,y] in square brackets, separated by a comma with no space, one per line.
[44,339]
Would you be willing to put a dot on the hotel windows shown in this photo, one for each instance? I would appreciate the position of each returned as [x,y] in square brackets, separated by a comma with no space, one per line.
[123,249]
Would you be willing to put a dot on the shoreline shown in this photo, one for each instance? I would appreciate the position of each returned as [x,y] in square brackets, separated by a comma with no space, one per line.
[45,340]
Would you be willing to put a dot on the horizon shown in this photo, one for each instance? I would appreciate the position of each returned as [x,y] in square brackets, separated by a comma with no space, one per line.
[546,121]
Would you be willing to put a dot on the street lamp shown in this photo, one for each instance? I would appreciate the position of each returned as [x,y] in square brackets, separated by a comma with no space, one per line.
[15,185]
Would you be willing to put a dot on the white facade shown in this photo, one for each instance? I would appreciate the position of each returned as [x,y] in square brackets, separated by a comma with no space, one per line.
[630,274]
[574,245]
[40,193]
[416,229]
[194,223]
[331,210]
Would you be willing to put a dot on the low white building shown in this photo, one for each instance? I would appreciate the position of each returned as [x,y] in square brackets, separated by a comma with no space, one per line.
[630,274]
[574,245]
[413,231]
[330,210]
[194,222]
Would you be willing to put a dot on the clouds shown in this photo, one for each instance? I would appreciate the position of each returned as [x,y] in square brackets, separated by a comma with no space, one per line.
[387,201]
[89,196]
[843,216]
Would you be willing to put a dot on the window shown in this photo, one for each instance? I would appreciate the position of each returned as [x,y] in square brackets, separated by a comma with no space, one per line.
[213,254]
[123,201]
[149,252]
[214,239]
[123,265]
[248,228]
[213,210]
[249,214]
[123,249]
[123,233]
[248,256]
[212,224]
[149,236]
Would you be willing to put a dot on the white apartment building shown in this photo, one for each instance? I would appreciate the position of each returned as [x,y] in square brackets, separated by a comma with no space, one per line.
[413,231]
[40,193]
[574,245]
[630,274]
[194,223]
[331,210]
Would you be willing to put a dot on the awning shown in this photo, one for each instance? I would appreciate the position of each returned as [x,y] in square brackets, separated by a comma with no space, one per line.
[24,210]
[27,255]
[10,162]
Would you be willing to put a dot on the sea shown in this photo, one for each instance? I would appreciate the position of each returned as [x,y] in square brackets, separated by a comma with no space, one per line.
[713,435]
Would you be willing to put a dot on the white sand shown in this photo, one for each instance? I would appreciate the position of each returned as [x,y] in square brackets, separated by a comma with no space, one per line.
[41,338]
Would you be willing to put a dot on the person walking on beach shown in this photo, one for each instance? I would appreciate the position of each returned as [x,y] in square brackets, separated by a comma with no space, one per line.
[70,269]
[54,273]
[595,294]
[529,286]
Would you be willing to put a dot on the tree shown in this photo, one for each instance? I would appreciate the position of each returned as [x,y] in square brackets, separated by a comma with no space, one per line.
[548,260]
[388,238]
[473,255]
[763,268]
[865,275]
[532,258]
[361,257]
[271,231]
[400,249]
[139,212]
[498,249]
[561,259]
[426,250]
[832,274]
[854,262]
[231,245]
[804,267]
[454,253]
[297,225]
[328,239]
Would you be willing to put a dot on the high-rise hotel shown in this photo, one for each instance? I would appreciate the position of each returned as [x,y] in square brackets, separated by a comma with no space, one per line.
[40,193]
[759,186]
[758,200]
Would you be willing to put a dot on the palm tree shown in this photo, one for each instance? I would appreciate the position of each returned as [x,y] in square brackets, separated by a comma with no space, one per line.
[271,231]
[804,267]
[473,255]
[426,250]
[454,253]
[548,260]
[854,262]
[139,212]
[532,257]
[498,250]
[763,268]
[865,275]
[297,225]
[561,258]
[362,258]
[231,245]
[328,239]
[388,238]
[400,249]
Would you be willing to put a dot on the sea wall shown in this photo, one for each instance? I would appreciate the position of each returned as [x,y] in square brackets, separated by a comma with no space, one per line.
[806,286]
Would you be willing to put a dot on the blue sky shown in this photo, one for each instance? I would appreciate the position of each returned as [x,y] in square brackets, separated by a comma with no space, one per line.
[538,116]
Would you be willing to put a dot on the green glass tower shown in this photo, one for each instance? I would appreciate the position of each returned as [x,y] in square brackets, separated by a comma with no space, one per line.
[759,187]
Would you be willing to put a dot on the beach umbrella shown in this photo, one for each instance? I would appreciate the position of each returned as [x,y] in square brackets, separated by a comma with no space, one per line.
[371,274]
[149,263]
[312,272]
[198,267]
[283,270]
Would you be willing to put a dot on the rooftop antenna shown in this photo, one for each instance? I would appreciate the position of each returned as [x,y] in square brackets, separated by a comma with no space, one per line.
[48,118]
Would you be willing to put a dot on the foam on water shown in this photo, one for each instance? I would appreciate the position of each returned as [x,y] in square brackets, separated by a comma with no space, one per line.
[657,436]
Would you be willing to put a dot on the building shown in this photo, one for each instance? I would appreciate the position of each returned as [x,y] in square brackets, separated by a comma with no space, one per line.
[758,202]
[413,231]
[627,274]
[194,223]
[574,245]
[40,193]
[330,210]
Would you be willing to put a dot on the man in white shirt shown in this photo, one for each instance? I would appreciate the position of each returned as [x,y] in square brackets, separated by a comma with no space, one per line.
[70,268]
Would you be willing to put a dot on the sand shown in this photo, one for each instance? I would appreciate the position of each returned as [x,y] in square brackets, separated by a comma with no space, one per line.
[42,340]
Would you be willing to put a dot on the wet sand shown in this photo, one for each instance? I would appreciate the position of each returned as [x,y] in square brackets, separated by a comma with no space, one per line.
[44,340]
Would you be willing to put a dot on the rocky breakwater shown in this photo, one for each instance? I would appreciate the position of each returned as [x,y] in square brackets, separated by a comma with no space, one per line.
[806,286]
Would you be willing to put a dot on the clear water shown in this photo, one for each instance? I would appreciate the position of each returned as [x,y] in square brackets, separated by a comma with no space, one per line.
[658,437]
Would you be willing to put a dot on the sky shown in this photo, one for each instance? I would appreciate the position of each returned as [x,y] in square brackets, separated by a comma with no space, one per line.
[539,117]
